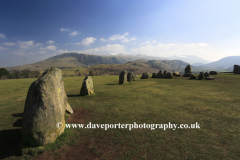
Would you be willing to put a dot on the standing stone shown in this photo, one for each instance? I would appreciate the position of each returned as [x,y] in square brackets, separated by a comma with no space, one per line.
[145,75]
[87,86]
[164,73]
[135,78]
[213,73]
[192,76]
[154,75]
[123,77]
[168,75]
[206,74]
[201,76]
[45,106]
[130,76]
[236,69]
[176,73]
[188,71]
[160,74]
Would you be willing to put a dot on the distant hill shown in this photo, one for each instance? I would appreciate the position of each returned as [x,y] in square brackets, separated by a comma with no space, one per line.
[198,64]
[225,62]
[191,59]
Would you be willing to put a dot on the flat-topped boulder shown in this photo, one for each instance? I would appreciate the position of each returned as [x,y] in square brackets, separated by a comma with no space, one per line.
[145,75]
[176,73]
[213,72]
[209,78]
[206,74]
[45,106]
[87,86]
[123,77]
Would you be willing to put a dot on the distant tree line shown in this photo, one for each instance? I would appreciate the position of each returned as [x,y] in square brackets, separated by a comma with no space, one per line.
[16,74]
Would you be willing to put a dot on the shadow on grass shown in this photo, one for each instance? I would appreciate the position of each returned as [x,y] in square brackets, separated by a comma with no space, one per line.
[10,142]
[112,84]
[17,115]
[78,95]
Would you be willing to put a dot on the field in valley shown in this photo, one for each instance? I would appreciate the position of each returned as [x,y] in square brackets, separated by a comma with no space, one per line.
[213,104]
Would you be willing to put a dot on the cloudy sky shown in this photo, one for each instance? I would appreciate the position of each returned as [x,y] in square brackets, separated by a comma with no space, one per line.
[33,30]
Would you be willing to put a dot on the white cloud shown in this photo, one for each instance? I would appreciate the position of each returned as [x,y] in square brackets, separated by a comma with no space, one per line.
[3,48]
[118,36]
[51,47]
[42,52]
[2,36]
[26,44]
[125,34]
[133,39]
[9,44]
[102,39]
[61,51]
[63,29]
[87,41]
[108,49]
[154,41]
[50,42]
[74,33]
[38,44]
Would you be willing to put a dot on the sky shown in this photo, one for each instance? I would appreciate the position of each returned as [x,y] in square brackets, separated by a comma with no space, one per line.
[32,31]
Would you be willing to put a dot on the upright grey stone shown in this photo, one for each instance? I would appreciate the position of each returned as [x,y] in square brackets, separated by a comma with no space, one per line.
[213,73]
[236,69]
[45,106]
[135,78]
[164,73]
[145,75]
[206,74]
[160,74]
[168,75]
[154,75]
[201,76]
[188,71]
[87,86]
[130,76]
[123,77]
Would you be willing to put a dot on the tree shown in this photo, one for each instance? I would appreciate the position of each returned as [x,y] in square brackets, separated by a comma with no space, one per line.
[90,73]
[35,74]
[4,72]
[26,73]
[16,73]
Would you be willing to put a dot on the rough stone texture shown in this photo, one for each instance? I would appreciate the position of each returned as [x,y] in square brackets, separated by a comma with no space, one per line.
[123,77]
[236,69]
[213,72]
[176,73]
[154,75]
[201,76]
[45,106]
[168,75]
[192,76]
[164,73]
[210,78]
[160,74]
[145,75]
[130,76]
[135,78]
[188,71]
[206,74]
[69,109]
[87,86]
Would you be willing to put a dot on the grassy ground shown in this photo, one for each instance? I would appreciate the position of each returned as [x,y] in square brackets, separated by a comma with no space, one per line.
[213,104]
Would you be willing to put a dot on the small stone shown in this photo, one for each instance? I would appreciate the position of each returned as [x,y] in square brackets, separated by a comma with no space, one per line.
[123,77]
[168,75]
[154,75]
[87,86]
[192,76]
[145,75]
[69,109]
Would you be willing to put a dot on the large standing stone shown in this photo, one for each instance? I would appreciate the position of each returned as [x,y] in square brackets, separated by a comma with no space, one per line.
[188,71]
[123,77]
[201,76]
[135,78]
[87,86]
[45,106]
[213,73]
[145,75]
[236,69]
[160,74]
[164,73]
[130,76]
[168,75]
[154,75]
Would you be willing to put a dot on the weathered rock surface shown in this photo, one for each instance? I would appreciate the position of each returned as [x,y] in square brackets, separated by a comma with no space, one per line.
[236,69]
[123,77]
[176,73]
[154,75]
[135,78]
[87,86]
[168,75]
[69,109]
[201,76]
[45,106]
[130,76]
[210,78]
[160,74]
[164,73]
[206,74]
[192,76]
[188,71]
[145,75]
[213,72]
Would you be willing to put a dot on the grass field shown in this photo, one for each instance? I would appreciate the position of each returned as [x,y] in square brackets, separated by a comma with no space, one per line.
[213,104]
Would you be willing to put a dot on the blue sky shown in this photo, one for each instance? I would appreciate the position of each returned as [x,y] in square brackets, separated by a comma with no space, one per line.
[31,31]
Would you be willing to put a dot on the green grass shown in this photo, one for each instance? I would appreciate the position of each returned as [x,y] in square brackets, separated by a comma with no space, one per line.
[213,104]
